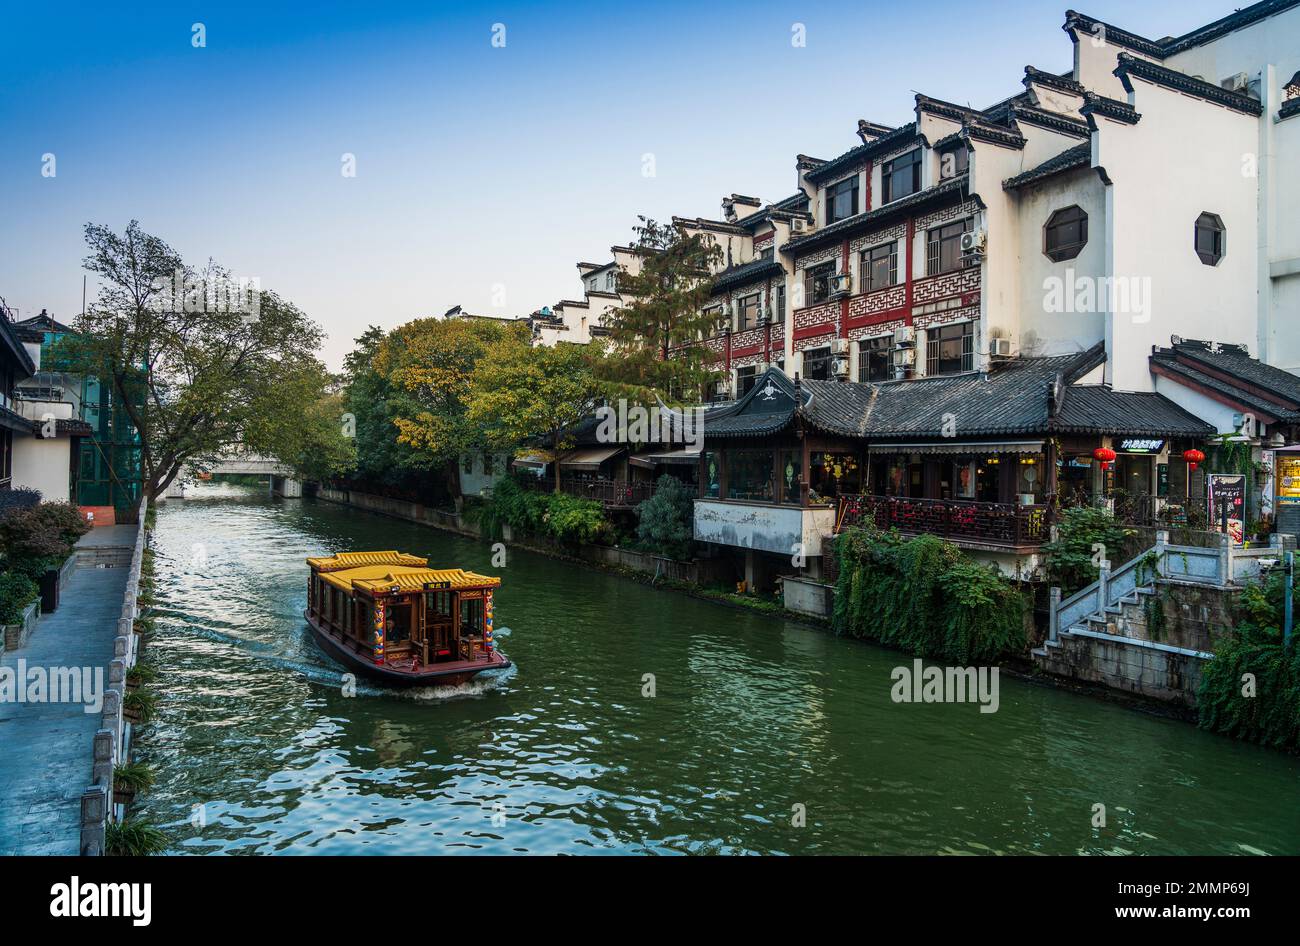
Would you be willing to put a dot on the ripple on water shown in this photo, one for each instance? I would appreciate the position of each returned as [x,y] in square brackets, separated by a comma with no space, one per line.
[258,749]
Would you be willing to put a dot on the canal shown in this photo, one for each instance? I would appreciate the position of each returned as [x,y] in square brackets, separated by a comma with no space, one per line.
[258,750]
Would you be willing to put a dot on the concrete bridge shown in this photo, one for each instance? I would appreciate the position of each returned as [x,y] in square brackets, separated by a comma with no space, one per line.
[240,462]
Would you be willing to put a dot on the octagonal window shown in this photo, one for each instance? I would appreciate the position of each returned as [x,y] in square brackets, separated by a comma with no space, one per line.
[1065,234]
[1211,238]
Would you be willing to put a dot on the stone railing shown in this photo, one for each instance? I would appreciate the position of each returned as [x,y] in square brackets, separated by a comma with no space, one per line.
[1215,566]
[113,740]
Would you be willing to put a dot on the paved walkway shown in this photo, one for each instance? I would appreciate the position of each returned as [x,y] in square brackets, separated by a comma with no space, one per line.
[45,748]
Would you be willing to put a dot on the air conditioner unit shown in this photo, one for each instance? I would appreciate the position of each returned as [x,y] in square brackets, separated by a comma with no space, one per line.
[904,337]
[840,367]
[839,346]
[1000,347]
[798,225]
[841,284]
[1237,83]
[904,357]
[763,314]
[973,243]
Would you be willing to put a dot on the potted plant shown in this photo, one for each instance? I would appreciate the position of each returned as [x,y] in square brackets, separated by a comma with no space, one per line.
[19,608]
[138,706]
[141,673]
[129,779]
[133,839]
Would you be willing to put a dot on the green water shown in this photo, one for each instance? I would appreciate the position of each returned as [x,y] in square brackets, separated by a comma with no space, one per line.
[258,750]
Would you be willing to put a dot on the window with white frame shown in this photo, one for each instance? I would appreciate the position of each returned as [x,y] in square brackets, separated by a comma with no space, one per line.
[842,199]
[943,247]
[874,358]
[879,266]
[950,349]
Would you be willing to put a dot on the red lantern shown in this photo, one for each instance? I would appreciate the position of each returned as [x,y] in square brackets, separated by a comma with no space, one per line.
[1106,455]
[1193,457]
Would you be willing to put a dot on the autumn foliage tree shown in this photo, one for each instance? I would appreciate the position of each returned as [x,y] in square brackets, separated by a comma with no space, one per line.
[520,394]
[655,334]
[428,365]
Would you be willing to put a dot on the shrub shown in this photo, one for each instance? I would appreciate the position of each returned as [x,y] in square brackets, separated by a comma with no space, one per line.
[17,591]
[556,516]
[923,596]
[18,499]
[1269,716]
[39,537]
[1069,558]
[133,839]
[664,521]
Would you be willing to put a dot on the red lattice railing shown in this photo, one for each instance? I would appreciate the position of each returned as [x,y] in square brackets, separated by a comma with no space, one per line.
[995,523]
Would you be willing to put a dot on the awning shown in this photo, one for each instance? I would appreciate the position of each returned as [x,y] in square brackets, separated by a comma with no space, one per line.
[650,460]
[966,449]
[589,459]
[531,460]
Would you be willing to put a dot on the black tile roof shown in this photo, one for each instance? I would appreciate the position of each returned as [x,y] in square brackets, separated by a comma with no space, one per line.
[1080,156]
[950,190]
[1234,21]
[895,139]
[1181,82]
[1107,108]
[1289,107]
[1096,409]
[1064,83]
[1233,374]
[1163,48]
[1015,399]
[749,272]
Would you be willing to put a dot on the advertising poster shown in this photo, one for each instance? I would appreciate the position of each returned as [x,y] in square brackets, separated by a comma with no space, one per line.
[1226,493]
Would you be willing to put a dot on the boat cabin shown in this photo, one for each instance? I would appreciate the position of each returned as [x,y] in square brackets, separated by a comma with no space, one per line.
[389,611]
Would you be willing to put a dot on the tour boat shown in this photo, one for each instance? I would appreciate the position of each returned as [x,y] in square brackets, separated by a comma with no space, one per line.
[390,616]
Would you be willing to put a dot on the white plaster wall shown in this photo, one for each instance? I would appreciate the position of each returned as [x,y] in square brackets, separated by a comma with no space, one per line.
[1163,176]
[1071,327]
[43,464]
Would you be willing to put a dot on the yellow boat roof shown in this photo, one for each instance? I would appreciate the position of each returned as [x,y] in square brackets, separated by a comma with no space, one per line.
[374,578]
[355,559]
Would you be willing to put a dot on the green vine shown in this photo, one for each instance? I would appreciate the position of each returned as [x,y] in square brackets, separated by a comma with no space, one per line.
[923,596]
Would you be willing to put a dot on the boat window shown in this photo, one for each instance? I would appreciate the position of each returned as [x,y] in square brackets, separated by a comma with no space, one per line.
[438,604]
[471,616]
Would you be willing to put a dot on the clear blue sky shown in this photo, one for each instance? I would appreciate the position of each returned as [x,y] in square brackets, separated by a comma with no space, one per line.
[476,166]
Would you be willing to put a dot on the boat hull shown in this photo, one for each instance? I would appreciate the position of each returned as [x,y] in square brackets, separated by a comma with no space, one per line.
[445,674]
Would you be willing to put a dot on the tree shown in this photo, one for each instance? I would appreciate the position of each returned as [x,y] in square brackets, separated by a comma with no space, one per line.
[665,521]
[520,393]
[369,400]
[197,363]
[428,364]
[656,334]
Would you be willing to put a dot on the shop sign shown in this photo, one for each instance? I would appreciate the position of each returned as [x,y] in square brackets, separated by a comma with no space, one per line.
[1141,445]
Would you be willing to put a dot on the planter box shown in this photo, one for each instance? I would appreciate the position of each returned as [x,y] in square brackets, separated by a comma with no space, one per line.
[16,635]
[52,581]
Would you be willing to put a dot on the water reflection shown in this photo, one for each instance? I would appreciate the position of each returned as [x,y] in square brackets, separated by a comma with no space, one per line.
[259,750]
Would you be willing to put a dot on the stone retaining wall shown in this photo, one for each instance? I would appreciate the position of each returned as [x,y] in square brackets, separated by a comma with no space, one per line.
[112,743]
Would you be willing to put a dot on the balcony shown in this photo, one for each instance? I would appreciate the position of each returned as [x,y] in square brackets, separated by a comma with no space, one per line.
[612,494]
[964,522]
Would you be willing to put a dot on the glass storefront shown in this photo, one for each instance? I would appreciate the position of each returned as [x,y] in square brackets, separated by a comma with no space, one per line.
[831,475]
[750,476]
